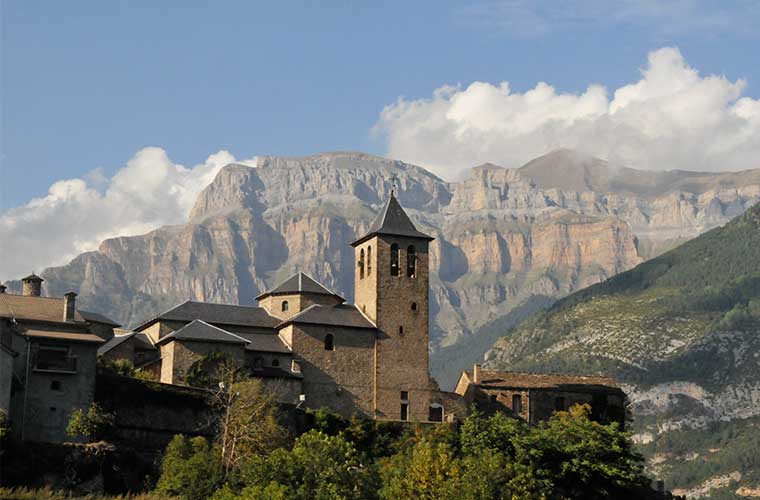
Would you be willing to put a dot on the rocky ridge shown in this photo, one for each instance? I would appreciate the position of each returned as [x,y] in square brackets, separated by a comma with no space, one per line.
[508,240]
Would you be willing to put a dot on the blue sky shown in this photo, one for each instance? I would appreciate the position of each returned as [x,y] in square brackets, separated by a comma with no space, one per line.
[89,84]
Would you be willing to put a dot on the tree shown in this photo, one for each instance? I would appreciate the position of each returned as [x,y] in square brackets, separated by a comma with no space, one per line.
[190,469]
[319,467]
[247,418]
[92,425]
[582,458]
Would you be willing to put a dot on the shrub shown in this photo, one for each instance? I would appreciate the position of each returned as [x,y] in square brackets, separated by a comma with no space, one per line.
[93,425]
[190,469]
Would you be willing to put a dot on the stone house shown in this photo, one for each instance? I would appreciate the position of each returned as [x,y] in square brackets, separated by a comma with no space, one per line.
[536,396]
[47,360]
[134,346]
[368,358]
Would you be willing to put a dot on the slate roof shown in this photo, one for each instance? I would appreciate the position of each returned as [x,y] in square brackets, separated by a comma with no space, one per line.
[219,314]
[265,342]
[26,307]
[392,220]
[76,336]
[94,317]
[33,277]
[506,380]
[299,283]
[142,339]
[201,331]
[347,315]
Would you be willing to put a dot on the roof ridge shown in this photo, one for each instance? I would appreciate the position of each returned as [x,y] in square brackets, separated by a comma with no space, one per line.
[216,328]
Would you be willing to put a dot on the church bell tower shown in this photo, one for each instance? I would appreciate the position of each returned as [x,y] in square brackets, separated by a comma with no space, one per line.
[391,289]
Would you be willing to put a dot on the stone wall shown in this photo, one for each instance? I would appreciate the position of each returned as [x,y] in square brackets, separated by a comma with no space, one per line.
[183,353]
[340,379]
[42,407]
[297,302]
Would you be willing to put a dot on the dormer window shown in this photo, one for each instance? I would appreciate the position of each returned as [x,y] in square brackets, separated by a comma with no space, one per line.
[394,259]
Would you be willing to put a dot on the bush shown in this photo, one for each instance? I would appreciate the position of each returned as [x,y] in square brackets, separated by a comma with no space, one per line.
[190,469]
[93,425]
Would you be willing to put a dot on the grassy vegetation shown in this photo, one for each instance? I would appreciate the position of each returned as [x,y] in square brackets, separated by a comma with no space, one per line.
[47,494]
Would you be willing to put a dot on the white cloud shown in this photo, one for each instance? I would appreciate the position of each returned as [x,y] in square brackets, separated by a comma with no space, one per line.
[672,118]
[662,18]
[77,214]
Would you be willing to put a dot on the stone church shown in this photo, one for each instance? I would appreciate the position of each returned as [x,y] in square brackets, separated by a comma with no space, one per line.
[369,358]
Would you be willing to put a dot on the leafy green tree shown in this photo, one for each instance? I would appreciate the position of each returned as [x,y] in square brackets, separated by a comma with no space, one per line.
[582,458]
[495,433]
[93,425]
[319,467]
[190,469]
[429,471]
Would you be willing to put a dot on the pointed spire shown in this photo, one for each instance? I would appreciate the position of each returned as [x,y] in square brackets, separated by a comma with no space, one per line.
[392,220]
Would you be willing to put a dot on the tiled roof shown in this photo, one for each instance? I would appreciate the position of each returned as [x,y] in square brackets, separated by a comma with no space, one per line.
[34,308]
[265,342]
[218,314]
[94,317]
[298,283]
[500,379]
[201,331]
[394,221]
[76,336]
[142,340]
[342,315]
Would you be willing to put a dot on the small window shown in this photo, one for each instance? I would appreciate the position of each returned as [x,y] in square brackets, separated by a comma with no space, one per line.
[55,385]
[414,306]
[404,411]
[369,260]
[394,259]
[55,358]
[404,395]
[285,306]
[435,413]
[361,264]
[400,331]
[411,261]
[559,403]
[329,342]
[275,362]
[53,409]
[517,403]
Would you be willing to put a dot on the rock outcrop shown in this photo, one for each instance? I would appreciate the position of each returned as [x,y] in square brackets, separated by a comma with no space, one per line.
[504,237]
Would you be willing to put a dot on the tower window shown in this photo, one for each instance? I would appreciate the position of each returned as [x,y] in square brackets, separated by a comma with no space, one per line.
[404,411]
[517,403]
[411,261]
[329,342]
[394,259]
[404,395]
[361,264]
[414,306]
[401,331]
[369,260]
[285,305]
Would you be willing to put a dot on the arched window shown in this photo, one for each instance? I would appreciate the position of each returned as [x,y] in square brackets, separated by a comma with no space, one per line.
[411,261]
[275,362]
[329,342]
[414,306]
[285,305]
[369,260]
[401,331]
[394,260]
[361,264]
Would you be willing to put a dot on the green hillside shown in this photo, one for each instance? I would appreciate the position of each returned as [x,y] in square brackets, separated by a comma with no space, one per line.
[682,331]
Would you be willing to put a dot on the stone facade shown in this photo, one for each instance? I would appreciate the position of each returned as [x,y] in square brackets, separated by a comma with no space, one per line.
[181,355]
[536,397]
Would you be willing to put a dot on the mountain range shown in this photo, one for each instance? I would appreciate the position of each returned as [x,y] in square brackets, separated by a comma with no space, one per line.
[509,241]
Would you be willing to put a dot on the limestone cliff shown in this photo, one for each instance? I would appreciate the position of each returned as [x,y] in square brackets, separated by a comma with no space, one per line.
[507,239]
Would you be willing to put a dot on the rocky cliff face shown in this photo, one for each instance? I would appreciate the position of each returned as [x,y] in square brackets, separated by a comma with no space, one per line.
[504,237]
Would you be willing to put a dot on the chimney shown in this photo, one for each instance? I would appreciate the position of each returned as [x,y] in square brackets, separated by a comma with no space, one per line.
[3,288]
[69,306]
[31,286]
[476,373]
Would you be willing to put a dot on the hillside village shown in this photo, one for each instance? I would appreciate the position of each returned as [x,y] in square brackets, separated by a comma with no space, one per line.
[303,341]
